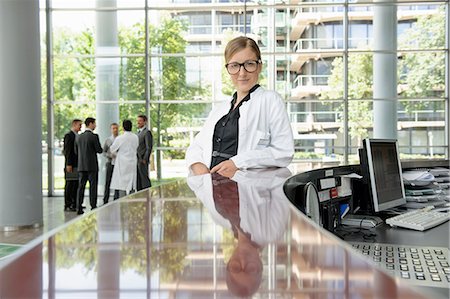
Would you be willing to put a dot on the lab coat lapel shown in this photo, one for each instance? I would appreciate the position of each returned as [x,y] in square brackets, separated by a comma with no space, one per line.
[243,119]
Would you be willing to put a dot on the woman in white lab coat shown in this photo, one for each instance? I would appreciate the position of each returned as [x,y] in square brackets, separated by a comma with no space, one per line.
[251,130]
[124,174]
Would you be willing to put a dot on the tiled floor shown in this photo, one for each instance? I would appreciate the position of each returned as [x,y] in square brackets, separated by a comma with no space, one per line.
[54,216]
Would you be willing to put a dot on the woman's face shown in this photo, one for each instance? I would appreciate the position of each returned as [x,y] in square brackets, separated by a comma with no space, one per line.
[243,81]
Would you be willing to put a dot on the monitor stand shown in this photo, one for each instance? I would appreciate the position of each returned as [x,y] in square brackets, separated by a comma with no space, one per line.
[365,221]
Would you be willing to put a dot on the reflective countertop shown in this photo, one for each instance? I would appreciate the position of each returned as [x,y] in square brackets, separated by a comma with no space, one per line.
[204,237]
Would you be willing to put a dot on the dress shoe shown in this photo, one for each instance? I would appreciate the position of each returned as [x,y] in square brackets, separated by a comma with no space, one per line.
[80,212]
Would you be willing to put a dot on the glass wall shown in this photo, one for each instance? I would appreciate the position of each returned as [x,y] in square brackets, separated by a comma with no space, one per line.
[115,59]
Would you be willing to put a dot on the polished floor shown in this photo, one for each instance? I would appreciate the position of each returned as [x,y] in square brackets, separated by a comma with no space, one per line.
[54,216]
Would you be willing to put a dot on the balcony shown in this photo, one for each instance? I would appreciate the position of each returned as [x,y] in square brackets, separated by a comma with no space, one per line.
[309,85]
[303,20]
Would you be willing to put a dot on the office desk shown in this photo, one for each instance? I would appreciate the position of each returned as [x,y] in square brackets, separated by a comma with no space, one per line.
[169,242]
[437,236]
[383,235]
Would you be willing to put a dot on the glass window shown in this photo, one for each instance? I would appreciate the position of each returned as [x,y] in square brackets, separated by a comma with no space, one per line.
[303,59]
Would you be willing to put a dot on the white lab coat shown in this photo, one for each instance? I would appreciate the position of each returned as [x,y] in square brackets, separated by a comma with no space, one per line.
[265,135]
[263,207]
[125,171]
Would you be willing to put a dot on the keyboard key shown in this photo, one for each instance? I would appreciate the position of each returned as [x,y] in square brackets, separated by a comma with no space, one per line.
[389,248]
[433,270]
[390,266]
[416,262]
[426,250]
[444,264]
[446,270]
[405,275]
[430,263]
[389,260]
[402,254]
[377,258]
[420,276]
[404,267]
[401,249]
[418,268]
[438,251]
[402,261]
[435,277]
[414,256]
[389,254]
[413,250]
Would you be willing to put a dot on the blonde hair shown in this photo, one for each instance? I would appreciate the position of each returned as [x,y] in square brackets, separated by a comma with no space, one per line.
[240,43]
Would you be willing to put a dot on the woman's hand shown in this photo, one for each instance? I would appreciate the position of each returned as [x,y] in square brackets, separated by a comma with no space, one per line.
[199,168]
[226,168]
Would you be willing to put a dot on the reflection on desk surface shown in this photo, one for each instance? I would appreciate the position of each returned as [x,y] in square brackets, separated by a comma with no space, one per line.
[164,242]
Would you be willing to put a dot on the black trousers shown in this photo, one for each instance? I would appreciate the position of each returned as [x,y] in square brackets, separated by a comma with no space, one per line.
[84,177]
[119,193]
[109,172]
[143,181]
[70,193]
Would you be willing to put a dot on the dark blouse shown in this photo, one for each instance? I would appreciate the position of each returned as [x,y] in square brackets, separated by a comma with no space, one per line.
[226,132]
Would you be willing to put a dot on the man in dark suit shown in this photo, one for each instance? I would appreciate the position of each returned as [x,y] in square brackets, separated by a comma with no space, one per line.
[70,169]
[143,153]
[87,147]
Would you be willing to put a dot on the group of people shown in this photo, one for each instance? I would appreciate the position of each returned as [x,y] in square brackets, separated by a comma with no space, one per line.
[128,159]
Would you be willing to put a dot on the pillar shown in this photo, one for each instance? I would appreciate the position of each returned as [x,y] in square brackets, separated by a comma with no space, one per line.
[385,70]
[106,73]
[20,114]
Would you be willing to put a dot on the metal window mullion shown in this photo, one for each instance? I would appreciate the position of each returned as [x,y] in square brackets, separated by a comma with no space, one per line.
[50,96]
[345,95]
[447,83]
[147,65]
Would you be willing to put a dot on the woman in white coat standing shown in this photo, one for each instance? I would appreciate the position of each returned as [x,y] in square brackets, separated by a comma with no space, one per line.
[124,174]
[251,130]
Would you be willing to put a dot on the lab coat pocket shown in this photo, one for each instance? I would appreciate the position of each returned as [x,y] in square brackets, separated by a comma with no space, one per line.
[263,138]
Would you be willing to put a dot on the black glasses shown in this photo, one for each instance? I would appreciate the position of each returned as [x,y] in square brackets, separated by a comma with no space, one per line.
[250,267]
[250,66]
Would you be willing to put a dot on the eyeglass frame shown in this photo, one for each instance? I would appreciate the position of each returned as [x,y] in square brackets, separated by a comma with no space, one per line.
[244,268]
[243,65]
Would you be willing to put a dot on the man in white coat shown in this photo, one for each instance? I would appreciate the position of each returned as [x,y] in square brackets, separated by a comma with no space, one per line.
[124,174]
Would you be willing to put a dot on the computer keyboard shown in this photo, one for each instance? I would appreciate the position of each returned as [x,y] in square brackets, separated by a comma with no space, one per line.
[419,265]
[421,219]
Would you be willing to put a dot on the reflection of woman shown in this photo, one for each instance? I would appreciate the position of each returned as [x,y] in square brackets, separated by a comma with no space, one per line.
[253,205]
[250,131]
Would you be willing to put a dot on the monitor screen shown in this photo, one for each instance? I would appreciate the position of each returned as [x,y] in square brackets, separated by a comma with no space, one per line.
[385,173]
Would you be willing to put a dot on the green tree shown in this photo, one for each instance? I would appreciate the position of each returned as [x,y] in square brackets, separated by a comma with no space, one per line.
[74,78]
[167,79]
[423,73]
[360,74]
[420,74]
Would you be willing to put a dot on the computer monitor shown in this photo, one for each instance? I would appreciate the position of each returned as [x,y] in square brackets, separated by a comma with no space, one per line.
[380,165]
